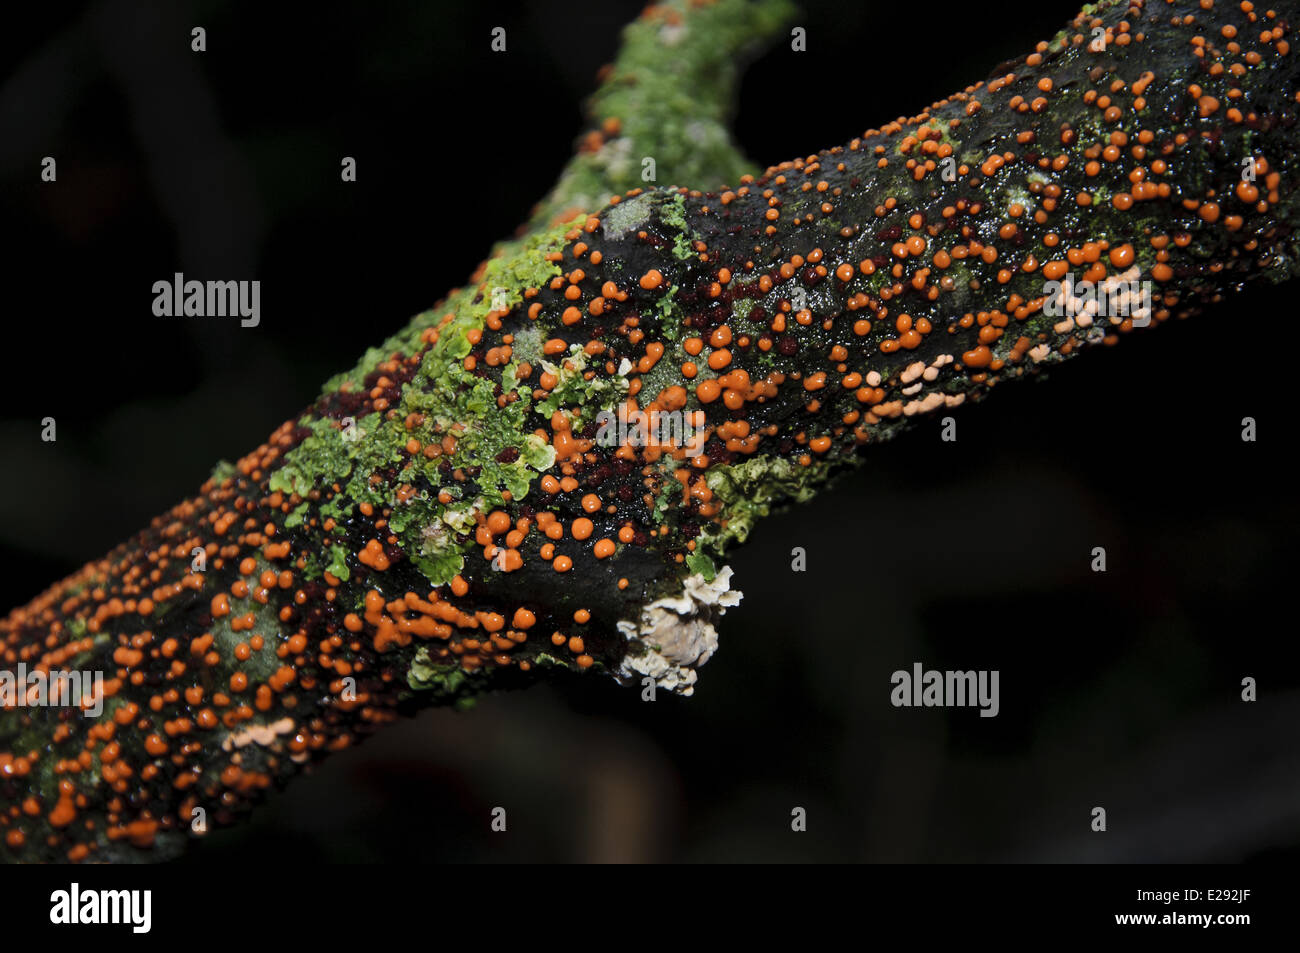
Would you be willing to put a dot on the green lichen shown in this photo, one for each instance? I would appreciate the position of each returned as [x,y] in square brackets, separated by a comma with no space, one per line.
[702,564]
[338,564]
[750,491]
[297,516]
[453,402]
[582,398]
[224,470]
[512,267]
[447,683]
[671,91]
[673,214]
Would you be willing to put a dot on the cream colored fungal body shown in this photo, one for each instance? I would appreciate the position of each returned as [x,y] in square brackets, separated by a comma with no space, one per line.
[675,635]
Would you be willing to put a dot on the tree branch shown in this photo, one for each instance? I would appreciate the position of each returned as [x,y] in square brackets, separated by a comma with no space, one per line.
[457,512]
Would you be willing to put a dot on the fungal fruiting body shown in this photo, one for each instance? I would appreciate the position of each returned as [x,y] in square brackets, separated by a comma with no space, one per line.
[448,517]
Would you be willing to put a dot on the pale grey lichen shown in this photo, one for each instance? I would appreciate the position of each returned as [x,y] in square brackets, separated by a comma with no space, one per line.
[626,216]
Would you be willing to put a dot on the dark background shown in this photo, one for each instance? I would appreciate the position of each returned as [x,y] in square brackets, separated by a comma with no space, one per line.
[1119,689]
